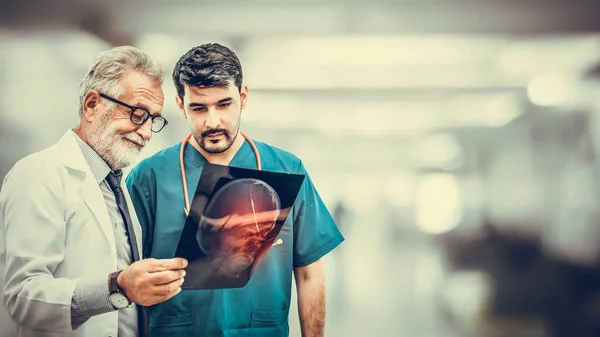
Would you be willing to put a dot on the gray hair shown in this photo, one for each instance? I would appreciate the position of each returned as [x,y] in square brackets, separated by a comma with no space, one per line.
[105,72]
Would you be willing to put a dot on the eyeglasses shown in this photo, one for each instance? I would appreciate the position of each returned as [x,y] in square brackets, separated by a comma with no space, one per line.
[139,116]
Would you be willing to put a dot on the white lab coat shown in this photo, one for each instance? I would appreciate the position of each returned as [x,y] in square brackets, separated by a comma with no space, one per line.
[55,230]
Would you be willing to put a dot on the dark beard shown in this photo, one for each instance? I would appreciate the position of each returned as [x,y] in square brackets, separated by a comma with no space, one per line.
[229,138]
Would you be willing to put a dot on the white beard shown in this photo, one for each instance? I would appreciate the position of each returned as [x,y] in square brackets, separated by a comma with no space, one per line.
[115,148]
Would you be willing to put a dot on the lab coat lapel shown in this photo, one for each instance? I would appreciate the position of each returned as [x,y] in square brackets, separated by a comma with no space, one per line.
[89,189]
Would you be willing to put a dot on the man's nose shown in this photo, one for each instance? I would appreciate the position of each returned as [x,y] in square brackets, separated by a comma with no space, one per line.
[212,119]
[145,130]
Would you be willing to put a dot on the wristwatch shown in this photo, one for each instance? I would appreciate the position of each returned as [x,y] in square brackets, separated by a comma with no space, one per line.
[116,296]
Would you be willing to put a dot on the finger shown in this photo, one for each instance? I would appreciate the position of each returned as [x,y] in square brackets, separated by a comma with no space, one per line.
[176,288]
[166,276]
[168,289]
[167,264]
[168,296]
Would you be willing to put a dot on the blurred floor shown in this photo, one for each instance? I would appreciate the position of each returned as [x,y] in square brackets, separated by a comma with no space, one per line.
[388,291]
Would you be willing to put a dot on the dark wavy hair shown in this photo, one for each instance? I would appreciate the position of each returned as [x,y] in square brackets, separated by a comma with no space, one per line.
[207,65]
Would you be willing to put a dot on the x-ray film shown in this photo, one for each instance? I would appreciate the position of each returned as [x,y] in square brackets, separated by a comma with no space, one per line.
[235,216]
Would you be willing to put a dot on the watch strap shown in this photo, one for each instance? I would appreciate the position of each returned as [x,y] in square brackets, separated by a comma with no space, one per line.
[113,285]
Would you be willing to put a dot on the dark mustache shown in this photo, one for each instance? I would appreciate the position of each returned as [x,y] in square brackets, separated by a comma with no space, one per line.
[213,132]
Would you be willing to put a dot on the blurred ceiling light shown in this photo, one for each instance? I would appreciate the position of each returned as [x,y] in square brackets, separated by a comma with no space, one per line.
[551,90]
[373,62]
[491,110]
[438,203]
[375,118]
[528,57]
[439,150]
[335,117]
[376,50]
[283,76]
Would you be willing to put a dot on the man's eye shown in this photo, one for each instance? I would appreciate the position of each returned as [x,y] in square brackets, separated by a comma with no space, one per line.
[224,105]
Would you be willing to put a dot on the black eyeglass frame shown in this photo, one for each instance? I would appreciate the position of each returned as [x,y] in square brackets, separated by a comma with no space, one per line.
[147,114]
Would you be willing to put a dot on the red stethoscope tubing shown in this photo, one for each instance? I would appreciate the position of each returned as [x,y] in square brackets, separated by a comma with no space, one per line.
[182,165]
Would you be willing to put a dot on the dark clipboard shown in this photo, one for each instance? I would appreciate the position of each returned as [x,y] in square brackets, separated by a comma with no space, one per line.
[235,216]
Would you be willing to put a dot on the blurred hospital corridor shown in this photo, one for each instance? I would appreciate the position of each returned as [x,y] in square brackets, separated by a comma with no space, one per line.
[455,142]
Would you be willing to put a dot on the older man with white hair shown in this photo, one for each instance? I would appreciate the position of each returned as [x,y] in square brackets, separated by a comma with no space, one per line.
[70,240]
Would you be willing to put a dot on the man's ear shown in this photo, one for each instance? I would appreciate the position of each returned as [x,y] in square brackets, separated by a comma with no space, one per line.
[244,95]
[91,100]
[179,103]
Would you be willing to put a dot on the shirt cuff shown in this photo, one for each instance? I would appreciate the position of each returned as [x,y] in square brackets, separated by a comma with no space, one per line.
[90,298]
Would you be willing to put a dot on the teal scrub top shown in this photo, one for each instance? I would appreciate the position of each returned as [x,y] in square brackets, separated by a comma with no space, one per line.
[261,308]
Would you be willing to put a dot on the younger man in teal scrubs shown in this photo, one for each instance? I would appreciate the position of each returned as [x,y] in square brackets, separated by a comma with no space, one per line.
[211,96]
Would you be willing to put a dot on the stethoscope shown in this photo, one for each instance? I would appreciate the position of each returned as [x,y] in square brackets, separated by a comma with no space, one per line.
[182,165]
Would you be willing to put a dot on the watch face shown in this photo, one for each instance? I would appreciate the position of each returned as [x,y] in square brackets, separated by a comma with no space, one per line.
[118,301]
